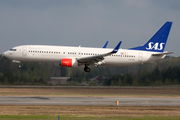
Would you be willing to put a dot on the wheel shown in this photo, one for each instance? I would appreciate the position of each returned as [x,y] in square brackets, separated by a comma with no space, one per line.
[87,69]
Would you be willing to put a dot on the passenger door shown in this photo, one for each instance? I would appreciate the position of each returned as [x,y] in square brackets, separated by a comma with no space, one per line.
[140,57]
[24,51]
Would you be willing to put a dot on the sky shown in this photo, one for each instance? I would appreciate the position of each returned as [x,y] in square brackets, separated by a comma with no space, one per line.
[89,23]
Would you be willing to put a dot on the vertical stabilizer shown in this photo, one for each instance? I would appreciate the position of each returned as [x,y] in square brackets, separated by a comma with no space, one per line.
[158,42]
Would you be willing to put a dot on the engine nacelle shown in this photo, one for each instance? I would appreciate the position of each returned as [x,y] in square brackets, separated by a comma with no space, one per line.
[67,62]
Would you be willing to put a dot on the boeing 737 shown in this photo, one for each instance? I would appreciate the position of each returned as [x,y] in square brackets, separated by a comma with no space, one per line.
[85,56]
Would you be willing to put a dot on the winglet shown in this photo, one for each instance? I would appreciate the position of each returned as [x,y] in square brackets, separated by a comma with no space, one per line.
[116,48]
[105,45]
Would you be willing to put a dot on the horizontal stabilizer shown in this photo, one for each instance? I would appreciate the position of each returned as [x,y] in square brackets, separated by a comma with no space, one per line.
[159,54]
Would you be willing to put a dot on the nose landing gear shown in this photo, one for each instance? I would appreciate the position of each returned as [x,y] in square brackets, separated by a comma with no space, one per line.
[87,69]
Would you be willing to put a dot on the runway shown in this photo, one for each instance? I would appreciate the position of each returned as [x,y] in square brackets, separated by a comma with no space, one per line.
[134,101]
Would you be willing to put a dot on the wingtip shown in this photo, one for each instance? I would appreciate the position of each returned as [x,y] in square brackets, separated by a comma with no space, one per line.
[105,45]
[116,48]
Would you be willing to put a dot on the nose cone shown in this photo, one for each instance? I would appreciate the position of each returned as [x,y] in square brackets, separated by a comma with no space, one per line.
[5,54]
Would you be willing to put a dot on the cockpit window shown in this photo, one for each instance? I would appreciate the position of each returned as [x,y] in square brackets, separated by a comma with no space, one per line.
[12,49]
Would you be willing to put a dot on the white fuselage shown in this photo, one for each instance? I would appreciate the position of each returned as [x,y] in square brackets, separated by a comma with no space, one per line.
[53,54]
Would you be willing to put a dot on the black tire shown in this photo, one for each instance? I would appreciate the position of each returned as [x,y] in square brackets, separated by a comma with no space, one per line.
[87,69]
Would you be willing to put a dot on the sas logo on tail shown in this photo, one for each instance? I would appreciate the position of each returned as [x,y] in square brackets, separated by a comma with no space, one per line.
[155,46]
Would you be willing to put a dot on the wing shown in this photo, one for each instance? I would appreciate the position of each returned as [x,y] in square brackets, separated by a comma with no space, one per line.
[97,58]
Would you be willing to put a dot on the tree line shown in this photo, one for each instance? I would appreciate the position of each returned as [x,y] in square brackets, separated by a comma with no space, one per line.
[162,72]
[169,76]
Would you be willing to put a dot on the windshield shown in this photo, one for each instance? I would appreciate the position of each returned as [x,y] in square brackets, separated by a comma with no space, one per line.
[12,49]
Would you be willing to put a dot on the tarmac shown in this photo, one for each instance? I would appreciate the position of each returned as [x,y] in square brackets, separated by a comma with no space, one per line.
[123,101]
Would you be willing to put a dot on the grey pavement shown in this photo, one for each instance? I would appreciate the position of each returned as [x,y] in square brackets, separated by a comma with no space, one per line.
[135,101]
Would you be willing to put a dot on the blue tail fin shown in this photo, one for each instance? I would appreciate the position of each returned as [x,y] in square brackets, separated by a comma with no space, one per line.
[158,42]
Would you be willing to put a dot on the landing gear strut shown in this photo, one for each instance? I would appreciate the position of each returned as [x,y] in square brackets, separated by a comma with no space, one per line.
[87,69]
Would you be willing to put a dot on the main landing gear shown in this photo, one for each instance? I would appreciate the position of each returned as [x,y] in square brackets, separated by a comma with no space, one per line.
[87,69]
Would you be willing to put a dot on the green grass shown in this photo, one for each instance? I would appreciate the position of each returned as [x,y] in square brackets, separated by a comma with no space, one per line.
[78,117]
[24,117]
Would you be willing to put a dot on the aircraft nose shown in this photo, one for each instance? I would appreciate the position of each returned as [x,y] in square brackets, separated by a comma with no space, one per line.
[5,54]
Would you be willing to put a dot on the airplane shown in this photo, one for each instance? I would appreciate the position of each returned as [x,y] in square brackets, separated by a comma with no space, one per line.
[68,56]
